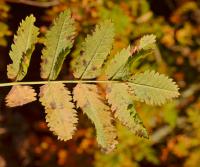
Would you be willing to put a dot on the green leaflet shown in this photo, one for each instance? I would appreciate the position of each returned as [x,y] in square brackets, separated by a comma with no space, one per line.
[95,51]
[147,42]
[113,66]
[122,105]
[61,116]
[88,99]
[153,88]
[59,40]
[22,49]
[145,47]
[126,71]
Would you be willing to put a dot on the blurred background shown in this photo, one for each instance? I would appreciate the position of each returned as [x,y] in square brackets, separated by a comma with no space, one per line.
[174,128]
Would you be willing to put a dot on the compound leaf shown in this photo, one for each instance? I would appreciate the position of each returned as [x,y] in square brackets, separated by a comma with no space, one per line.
[61,116]
[95,51]
[153,88]
[88,99]
[58,42]
[122,105]
[22,49]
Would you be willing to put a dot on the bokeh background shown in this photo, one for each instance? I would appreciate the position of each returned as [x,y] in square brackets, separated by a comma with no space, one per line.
[174,128]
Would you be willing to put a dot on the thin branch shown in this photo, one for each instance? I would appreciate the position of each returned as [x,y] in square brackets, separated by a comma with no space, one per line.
[46,82]
[79,81]
[36,3]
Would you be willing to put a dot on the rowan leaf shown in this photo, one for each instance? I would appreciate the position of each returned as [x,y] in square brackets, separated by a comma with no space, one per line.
[60,114]
[58,42]
[153,88]
[22,49]
[20,95]
[122,106]
[122,87]
[95,51]
[92,104]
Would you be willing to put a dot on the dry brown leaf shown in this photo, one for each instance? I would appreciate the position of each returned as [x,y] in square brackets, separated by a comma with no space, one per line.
[20,95]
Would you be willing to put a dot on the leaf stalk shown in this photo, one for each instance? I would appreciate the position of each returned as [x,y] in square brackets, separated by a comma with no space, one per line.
[60,81]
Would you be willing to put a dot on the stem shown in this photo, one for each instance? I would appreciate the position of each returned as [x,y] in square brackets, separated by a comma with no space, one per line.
[35,3]
[46,82]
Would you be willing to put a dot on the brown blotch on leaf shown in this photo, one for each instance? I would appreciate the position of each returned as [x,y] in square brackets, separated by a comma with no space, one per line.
[53,105]
[86,104]
[81,53]
[94,68]
[84,62]
[45,61]
[108,89]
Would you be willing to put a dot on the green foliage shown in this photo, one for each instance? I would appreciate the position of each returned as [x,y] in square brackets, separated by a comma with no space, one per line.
[139,8]
[22,49]
[170,114]
[116,14]
[3,33]
[4,28]
[58,42]
[193,148]
[119,85]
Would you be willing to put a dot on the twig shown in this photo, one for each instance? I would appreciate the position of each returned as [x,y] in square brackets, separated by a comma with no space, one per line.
[46,82]
[36,3]
[76,81]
